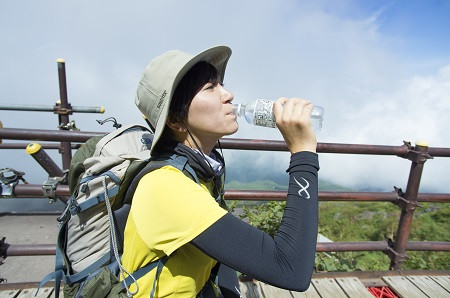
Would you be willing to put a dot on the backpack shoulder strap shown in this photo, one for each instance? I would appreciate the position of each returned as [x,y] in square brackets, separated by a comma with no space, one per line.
[180,163]
[177,161]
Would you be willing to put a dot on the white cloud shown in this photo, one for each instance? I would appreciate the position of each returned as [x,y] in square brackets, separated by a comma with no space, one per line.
[369,98]
[417,110]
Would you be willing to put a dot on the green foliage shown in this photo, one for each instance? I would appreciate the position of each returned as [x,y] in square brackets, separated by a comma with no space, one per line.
[363,221]
[425,260]
[266,217]
[327,262]
[358,221]
[351,261]
[431,223]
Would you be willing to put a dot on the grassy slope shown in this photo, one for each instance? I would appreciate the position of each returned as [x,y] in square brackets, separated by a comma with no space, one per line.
[365,221]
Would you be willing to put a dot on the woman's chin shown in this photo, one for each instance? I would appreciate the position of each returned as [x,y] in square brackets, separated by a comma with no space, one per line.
[235,129]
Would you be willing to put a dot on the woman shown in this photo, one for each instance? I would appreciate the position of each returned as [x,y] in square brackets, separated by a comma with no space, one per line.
[172,215]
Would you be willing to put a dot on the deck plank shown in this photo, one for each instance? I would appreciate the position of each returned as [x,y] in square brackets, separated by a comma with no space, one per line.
[310,293]
[403,287]
[47,292]
[444,281]
[328,287]
[271,291]
[250,289]
[353,287]
[29,293]
[429,286]
[8,293]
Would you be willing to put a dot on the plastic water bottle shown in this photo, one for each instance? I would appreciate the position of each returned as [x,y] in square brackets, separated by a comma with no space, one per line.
[260,112]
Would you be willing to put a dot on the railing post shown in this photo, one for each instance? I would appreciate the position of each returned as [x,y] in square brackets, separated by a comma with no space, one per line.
[38,153]
[63,109]
[408,202]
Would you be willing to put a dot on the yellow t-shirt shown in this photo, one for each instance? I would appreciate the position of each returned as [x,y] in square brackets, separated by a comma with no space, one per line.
[168,211]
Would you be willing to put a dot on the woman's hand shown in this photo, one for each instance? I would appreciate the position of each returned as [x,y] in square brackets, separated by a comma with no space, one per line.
[293,119]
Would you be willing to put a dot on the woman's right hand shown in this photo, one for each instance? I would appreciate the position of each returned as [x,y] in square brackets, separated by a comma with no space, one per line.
[293,119]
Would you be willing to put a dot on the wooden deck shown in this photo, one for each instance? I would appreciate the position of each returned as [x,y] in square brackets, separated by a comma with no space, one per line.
[404,286]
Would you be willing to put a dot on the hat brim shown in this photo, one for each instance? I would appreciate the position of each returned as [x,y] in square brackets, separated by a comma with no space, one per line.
[217,56]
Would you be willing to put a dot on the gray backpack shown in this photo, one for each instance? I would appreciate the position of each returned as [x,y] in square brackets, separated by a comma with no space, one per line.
[103,176]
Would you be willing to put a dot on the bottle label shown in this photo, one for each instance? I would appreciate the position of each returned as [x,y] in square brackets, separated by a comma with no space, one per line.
[264,113]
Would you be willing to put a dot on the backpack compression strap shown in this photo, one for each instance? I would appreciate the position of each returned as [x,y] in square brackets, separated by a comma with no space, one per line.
[100,198]
[159,264]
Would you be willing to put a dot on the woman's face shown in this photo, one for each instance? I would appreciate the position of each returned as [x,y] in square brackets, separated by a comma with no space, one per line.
[211,115]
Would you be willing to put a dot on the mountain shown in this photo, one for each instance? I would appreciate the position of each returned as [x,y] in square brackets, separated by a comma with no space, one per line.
[272,185]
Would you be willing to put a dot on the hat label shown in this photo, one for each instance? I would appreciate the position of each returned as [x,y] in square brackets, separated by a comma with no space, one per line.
[161,99]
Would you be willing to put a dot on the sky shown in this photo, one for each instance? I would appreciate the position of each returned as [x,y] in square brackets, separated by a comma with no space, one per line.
[381,70]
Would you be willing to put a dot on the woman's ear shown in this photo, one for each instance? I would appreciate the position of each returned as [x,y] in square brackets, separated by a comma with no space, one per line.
[175,125]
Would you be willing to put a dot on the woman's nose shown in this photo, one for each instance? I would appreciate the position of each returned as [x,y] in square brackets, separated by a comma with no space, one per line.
[226,95]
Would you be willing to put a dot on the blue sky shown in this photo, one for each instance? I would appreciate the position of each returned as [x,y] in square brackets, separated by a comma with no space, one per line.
[381,69]
[421,26]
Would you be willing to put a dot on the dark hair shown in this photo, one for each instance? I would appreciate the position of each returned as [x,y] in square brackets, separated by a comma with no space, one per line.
[199,75]
[192,82]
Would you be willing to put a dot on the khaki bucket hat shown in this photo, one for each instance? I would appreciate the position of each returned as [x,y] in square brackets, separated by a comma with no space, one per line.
[161,78]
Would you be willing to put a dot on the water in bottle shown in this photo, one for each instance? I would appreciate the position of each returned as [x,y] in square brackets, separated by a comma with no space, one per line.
[260,112]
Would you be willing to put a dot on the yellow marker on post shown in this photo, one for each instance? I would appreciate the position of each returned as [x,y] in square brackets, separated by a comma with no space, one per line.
[422,143]
[39,154]
[33,148]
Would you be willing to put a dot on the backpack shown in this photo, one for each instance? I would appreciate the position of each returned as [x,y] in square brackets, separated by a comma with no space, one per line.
[103,176]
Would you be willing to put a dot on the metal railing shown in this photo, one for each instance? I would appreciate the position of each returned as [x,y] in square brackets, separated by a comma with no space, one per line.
[66,136]
[407,200]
